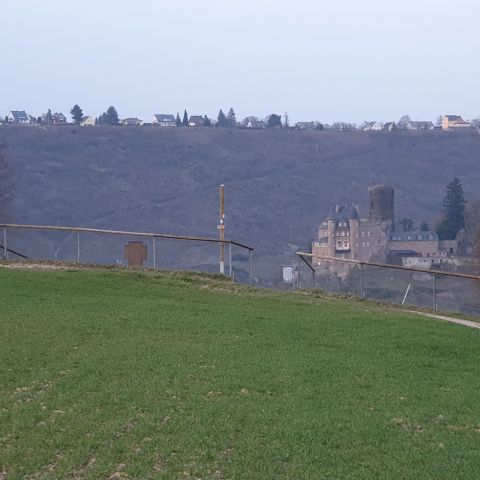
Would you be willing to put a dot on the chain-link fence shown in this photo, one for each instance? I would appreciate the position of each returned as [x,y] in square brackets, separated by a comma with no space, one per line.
[113,247]
[435,289]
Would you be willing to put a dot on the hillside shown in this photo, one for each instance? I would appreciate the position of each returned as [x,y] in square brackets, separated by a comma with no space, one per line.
[279,184]
[109,374]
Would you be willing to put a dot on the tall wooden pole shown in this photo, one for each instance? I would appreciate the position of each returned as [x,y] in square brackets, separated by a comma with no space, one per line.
[221,229]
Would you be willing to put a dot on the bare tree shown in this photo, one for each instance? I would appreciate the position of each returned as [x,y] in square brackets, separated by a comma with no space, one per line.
[403,122]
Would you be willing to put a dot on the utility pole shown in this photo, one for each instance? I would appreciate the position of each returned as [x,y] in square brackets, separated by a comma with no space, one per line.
[221,229]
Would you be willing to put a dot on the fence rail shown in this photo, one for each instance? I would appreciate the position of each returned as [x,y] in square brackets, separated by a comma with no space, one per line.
[434,274]
[122,233]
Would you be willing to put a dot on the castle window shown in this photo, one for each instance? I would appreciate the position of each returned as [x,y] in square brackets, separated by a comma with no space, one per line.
[368,234]
[368,244]
[363,234]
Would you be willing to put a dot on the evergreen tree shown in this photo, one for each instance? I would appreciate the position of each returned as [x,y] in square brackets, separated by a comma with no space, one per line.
[221,119]
[48,117]
[454,208]
[207,122]
[231,119]
[77,114]
[6,119]
[178,122]
[286,120]
[110,117]
[424,227]
[185,119]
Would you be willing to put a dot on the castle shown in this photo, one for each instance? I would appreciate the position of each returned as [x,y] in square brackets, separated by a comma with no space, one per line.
[343,234]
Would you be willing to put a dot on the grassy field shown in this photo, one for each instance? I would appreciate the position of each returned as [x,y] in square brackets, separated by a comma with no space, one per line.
[110,374]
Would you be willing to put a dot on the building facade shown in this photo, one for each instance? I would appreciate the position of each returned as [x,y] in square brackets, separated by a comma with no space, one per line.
[344,235]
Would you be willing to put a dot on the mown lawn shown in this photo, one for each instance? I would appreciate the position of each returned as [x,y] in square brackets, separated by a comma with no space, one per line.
[109,374]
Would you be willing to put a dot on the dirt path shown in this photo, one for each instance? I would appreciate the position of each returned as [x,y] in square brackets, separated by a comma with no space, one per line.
[459,321]
[32,266]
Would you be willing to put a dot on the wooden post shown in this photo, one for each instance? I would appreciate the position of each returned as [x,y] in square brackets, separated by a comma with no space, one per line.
[221,228]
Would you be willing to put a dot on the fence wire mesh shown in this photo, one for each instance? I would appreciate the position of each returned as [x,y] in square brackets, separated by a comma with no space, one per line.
[444,291]
[91,247]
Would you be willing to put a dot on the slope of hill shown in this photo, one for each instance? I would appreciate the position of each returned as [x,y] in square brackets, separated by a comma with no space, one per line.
[279,184]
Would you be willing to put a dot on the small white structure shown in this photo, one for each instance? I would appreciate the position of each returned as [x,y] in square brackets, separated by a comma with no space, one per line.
[87,121]
[373,127]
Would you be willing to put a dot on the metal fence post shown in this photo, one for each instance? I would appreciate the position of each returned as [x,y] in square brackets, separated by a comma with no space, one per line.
[230,268]
[5,247]
[434,278]
[78,246]
[154,250]
[250,267]
[362,287]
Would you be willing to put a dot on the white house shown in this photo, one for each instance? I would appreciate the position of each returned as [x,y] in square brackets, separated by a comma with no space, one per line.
[131,122]
[164,120]
[420,125]
[373,127]
[87,122]
[19,117]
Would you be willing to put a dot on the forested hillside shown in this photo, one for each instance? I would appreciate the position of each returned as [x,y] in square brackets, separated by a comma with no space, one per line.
[279,184]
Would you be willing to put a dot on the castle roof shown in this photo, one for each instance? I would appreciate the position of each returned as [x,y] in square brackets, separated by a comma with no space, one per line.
[343,212]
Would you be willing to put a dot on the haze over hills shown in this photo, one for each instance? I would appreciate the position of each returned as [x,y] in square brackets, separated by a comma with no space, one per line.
[279,184]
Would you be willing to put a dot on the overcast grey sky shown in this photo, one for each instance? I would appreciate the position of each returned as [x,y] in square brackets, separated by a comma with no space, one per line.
[349,60]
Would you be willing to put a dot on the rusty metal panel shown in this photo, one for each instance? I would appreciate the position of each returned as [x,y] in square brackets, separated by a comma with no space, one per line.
[135,254]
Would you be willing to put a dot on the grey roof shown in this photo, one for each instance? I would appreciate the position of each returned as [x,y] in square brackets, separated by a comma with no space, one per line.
[414,236]
[20,115]
[305,126]
[196,119]
[421,125]
[164,117]
[343,212]
[323,240]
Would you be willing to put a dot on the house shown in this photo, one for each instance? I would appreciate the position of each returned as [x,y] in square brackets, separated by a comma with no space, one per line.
[87,122]
[255,123]
[55,119]
[373,127]
[306,126]
[131,122]
[196,121]
[390,126]
[420,126]
[164,120]
[59,119]
[19,117]
[450,122]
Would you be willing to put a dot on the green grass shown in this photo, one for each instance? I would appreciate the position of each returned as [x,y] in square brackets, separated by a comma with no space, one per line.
[108,374]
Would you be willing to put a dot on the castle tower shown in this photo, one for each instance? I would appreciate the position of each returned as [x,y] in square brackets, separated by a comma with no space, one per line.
[382,204]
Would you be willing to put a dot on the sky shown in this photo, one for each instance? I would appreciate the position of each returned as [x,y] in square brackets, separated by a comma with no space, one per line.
[343,60]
